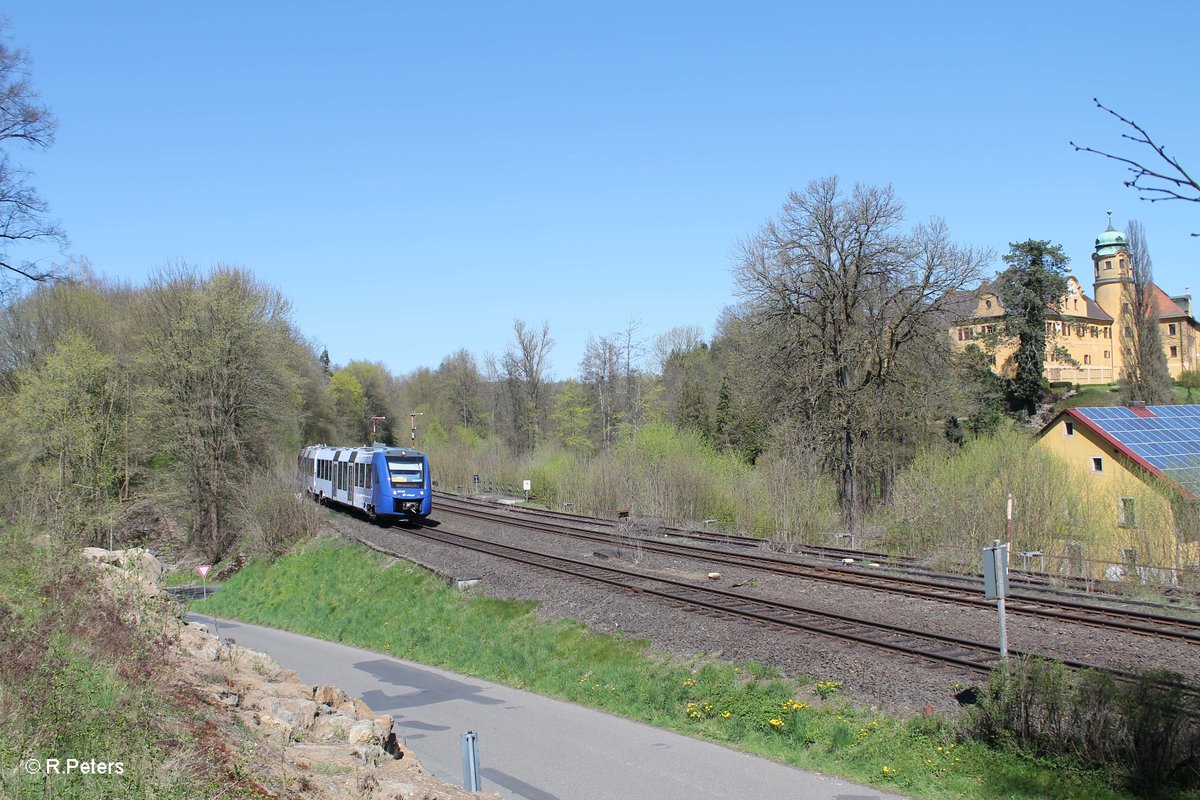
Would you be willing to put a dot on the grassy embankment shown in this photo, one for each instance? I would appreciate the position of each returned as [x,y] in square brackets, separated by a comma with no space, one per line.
[347,593]
[81,679]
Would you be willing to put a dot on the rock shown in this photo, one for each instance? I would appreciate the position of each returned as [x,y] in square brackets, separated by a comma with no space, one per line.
[362,732]
[329,695]
[369,754]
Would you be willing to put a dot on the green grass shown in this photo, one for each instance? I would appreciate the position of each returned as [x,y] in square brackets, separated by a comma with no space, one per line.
[1109,395]
[347,593]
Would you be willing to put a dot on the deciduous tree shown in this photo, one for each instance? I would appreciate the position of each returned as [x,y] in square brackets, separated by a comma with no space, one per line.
[1144,373]
[526,365]
[24,220]
[854,297]
[219,397]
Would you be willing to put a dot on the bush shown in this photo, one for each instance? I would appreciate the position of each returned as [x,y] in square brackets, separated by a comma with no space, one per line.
[1147,729]
[273,511]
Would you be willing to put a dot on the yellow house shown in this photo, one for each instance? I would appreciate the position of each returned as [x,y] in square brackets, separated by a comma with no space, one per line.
[1085,335]
[1138,470]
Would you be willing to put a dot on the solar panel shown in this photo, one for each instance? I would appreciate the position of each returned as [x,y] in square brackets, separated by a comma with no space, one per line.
[1169,441]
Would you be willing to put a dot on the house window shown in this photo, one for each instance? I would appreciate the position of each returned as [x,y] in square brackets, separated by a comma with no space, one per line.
[1129,555]
[1174,351]
[1097,464]
[1087,359]
[1069,428]
[1126,513]
[1171,329]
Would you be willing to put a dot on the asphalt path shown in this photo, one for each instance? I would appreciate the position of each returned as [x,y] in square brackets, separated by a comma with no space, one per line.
[532,747]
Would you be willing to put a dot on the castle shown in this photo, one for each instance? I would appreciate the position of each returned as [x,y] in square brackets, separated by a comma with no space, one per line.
[1084,335]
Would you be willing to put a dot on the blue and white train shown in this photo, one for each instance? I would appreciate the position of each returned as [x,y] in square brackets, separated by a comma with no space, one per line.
[382,481]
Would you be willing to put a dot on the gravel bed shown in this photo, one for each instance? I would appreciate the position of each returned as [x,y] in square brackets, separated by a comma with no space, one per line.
[870,676]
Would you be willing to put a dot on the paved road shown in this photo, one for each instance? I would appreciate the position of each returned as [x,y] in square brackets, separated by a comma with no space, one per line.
[531,747]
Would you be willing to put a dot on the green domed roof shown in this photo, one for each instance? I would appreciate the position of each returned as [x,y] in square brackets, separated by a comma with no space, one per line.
[1110,241]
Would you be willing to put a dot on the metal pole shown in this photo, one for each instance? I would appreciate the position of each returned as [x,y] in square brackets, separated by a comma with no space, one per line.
[1003,629]
[1001,586]
[470,761]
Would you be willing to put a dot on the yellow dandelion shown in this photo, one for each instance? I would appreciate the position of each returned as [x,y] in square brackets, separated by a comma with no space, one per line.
[776,722]
[885,768]
[725,715]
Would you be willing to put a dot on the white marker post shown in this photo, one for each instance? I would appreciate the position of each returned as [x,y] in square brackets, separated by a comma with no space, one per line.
[527,486]
[995,584]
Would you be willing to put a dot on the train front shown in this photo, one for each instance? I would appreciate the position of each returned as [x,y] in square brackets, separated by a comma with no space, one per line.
[408,476]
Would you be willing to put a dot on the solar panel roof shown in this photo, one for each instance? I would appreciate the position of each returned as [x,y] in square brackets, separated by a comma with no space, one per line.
[1168,438]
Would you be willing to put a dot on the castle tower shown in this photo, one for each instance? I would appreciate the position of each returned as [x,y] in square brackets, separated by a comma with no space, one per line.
[1114,287]
[1113,271]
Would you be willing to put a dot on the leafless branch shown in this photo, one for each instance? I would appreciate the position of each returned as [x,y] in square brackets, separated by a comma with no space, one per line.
[1173,181]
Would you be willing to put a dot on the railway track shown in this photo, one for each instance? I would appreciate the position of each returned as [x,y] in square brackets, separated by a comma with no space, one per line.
[948,651]
[1063,585]
[965,592]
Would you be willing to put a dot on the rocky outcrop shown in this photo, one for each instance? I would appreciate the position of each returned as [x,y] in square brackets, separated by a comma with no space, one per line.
[135,570]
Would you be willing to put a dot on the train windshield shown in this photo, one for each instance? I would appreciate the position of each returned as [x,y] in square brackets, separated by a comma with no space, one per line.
[406,471]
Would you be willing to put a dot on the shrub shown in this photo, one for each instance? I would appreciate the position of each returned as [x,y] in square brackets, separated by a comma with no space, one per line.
[1147,729]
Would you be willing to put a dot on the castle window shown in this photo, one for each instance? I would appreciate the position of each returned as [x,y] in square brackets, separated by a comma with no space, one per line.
[1106,354]
[1171,328]
[1174,351]
[1125,308]
[988,303]
[1126,513]
[1097,464]
[1128,332]
[1087,359]
[1121,264]
[1108,264]
[1068,428]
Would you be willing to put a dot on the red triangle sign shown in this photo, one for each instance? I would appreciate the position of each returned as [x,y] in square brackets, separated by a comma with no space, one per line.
[203,570]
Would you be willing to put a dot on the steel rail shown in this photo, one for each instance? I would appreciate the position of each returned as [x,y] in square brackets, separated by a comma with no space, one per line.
[1135,622]
[964,653]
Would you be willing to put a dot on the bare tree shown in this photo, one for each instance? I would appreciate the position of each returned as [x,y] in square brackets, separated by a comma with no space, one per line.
[1162,179]
[462,388]
[525,364]
[24,120]
[1144,375]
[598,372]
[676,342]
[855,298]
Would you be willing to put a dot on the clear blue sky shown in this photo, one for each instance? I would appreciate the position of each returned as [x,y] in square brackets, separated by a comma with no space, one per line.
[444,168]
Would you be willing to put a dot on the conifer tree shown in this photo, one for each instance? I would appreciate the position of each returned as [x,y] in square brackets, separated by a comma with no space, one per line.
[1034,282]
